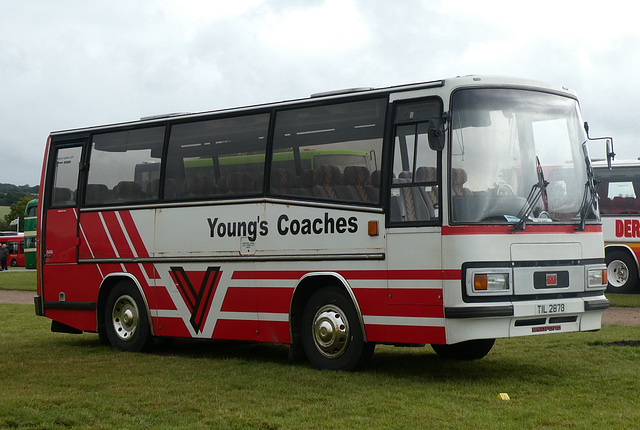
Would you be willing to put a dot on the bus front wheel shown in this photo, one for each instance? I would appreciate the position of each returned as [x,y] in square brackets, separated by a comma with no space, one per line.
[126,320]
[332,336]
[622,272]
[469,350]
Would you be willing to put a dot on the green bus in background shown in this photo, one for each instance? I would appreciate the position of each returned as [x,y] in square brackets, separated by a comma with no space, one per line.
[30,221]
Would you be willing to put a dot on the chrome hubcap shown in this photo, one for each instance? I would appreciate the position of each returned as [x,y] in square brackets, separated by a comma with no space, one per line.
[617,273]
[331,331]
[125,318]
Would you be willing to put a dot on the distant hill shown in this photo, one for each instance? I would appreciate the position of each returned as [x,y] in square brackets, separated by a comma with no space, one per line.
[9,193]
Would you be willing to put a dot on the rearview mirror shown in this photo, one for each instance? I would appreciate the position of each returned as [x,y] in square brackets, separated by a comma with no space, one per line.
[436,133]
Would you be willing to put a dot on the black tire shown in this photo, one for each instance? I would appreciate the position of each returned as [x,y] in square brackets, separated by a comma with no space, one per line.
[126,320]
[332,335]
[466,351]
[14,263]
[622,272]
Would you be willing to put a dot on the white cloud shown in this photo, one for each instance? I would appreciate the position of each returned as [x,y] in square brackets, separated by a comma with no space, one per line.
[70,64]
[332,27]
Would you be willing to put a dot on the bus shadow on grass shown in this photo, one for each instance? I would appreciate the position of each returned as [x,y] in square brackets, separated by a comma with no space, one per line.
[629,343]
[410,363]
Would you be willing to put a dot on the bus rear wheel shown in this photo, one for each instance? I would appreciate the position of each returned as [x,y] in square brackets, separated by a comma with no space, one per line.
[332,335]
[467,351]
[622,273]
[126,320]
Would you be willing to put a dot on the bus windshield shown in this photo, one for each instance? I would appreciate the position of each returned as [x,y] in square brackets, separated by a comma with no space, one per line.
[507,143]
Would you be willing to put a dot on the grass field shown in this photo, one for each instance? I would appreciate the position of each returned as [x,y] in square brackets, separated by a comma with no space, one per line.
[52,381]
[18,279]
[4,210]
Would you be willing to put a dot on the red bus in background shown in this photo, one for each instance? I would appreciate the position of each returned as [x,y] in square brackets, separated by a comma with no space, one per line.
[619,199]
[16,249]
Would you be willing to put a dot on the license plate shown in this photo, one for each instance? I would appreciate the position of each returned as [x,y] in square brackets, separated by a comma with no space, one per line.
[550,308]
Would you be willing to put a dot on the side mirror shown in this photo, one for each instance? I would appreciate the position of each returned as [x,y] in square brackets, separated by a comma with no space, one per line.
[609,144]
[610,154]
[436,133]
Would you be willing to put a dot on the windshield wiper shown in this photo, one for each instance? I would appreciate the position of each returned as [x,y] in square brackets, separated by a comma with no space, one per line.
[539,189]
[590,197]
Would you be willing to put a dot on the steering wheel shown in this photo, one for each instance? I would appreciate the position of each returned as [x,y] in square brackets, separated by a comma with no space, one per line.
[505,190]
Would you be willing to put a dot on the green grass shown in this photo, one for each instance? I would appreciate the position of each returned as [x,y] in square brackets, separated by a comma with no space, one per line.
[18,279]
[4,210]
[624,300]
[52,381]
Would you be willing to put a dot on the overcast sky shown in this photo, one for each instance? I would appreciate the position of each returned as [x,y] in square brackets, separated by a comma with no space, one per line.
[67,64]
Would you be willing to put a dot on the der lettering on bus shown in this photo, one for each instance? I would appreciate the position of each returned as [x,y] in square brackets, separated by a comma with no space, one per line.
[627,228]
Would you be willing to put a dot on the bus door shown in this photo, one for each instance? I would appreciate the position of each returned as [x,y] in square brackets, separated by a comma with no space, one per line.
[414,225]
[61,238]
[61,221]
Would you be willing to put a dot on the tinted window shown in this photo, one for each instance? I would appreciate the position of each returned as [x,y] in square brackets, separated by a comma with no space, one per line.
[329,152]
[125,166]
[220,157]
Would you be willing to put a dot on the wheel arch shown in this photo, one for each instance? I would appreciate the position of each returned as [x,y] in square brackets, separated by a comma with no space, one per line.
[309,284]
[625,248]
[107,285]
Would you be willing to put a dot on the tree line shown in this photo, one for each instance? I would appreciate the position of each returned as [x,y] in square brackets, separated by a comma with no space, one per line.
[16,197]
[9,193]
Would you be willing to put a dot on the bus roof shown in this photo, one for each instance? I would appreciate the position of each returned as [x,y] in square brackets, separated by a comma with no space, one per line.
[451,83]
[5,236]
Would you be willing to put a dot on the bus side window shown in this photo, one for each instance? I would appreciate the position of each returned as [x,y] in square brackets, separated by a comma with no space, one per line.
[65,182]
[414,189]
[329,152]
[123,166]
[218,157]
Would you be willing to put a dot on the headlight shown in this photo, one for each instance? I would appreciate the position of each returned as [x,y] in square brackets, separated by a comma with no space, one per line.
[597,278]
[491,282]
[486,282]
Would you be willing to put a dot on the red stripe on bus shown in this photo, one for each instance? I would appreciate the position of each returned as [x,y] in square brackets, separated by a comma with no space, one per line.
[134,235]
[257,299]
[419,302]
[236,330]
[117,235]
[163,300]
[172,327]
[405,334]
[96,237]
[274,331]
[507,229]
[433,274]
[138,243]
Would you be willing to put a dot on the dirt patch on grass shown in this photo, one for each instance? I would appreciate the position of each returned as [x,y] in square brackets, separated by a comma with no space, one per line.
[17,297]
[621,316]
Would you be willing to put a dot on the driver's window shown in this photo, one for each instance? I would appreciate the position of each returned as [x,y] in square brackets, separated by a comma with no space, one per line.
[415,190]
